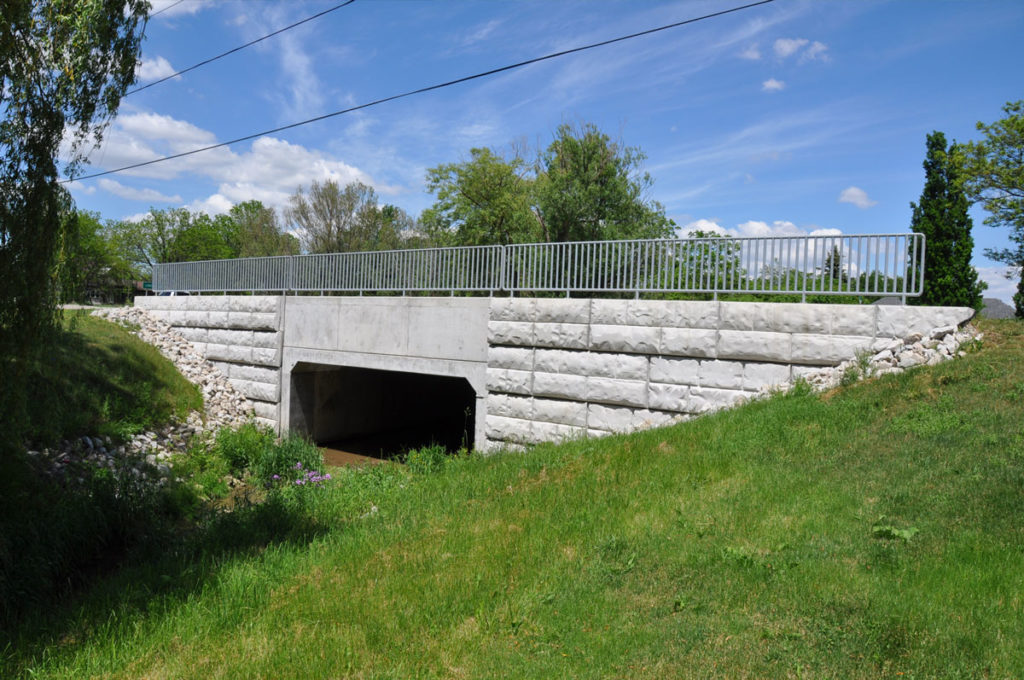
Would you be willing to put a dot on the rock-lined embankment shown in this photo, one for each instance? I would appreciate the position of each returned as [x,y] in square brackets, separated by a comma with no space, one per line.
[146,454]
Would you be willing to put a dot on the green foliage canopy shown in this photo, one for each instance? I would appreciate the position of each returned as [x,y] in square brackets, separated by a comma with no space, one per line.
[941,215]
[582,187]
[994,175]
[336,219]
[64,67]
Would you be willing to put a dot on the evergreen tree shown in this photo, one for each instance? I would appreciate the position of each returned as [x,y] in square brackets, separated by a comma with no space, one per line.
[941,215]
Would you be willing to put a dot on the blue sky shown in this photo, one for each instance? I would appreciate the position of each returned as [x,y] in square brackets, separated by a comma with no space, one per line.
[787,118]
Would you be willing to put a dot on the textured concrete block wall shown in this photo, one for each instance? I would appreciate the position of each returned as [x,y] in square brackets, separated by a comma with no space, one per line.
[562,368]
[240,334]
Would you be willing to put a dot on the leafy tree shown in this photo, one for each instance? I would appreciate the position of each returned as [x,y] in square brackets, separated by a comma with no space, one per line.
[583,187]
[201,237]
[258,233]
[483,201]
[590,188]
[336,219]
[64,67]
[995,176]
[941,215]
[89,259]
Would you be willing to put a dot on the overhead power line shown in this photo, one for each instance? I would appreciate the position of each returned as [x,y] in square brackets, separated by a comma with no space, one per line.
[236,49]
[421,90]
[161,11]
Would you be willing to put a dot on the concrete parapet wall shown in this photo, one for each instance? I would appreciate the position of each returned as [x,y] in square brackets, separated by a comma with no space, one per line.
[240,334]
[560,368]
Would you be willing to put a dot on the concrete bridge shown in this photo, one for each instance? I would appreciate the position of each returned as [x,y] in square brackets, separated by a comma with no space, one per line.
[508,371]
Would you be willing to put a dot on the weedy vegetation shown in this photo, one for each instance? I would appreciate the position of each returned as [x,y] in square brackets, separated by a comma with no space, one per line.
[871,533]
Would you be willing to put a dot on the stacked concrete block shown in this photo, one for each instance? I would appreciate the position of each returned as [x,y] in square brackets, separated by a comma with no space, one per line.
[239,334]
[562,368]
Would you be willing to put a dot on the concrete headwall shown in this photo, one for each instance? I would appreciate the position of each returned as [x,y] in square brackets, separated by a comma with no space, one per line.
[573,368]
[541,369]
[240,334]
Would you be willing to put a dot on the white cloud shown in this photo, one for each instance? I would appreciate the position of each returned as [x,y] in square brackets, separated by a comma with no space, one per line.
[755,229]
[706,226]
[269,170]
[1002,282]
[752,53]
[172,8]
[816,52]
[786,47]
[154,69]
[133,194]
[857,197]
[772,85]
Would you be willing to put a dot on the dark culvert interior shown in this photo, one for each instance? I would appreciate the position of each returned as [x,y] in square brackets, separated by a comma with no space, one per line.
[360,413]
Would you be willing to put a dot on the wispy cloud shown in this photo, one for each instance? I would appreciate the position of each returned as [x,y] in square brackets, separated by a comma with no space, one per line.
[133,194]
[856,196]
[772,85]
[786,47]
[752,53]
[816,52]
[481,33]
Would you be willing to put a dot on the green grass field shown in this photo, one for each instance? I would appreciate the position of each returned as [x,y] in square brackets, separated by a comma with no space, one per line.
[875,531]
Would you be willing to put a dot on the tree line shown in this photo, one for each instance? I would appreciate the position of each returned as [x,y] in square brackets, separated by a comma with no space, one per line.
[583,186]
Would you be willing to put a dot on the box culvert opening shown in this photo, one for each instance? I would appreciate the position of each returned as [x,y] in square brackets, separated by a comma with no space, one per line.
[361,412]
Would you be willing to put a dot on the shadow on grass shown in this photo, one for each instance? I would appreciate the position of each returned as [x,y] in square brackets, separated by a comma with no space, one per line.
[116,558]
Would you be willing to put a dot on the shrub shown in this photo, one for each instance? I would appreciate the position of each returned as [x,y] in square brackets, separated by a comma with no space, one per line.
[427,459]
[280,459]
[243,448]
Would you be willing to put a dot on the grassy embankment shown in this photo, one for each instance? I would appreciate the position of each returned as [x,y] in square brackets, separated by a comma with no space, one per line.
[97,379]
[874,531]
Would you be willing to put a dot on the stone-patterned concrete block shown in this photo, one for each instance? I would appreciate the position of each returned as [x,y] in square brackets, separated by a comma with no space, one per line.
[597,434]
[689,342]
[567,335]
[853,319]
[266,339]
[560,361]
[193,334]
[722,374]
[510,406]
[263,374]
[714,399]
[266,356]
[214,319]
[222,336]
[232,353]
[519,358]
[612,391]
[757,375]
[266,422]
[266,304]
[667,397]
[510,381]
[738,316]
[555,432]
[256,390]
[609,312]
[612,418]
[560,386]
[621,366]
[503,429]
[690,314]
[827,350]
[516,333]
[631,339]
[200,348]
[265,409]
[550,310]
[512,309]
[558,411]
[900,321]
[754,346]
[790,317]
[675,371]
[253,321]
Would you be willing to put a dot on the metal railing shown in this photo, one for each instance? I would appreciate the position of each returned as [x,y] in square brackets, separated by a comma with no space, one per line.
[870,264]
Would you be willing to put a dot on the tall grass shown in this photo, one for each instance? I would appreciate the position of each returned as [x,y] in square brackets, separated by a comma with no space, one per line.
[873,531]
